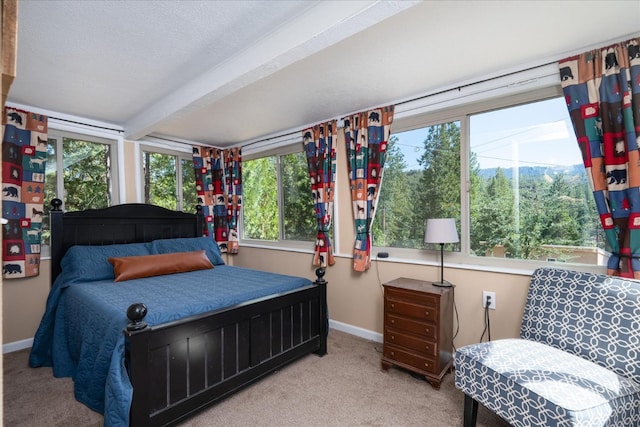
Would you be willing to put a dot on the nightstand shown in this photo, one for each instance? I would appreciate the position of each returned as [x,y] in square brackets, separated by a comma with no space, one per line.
[418,328]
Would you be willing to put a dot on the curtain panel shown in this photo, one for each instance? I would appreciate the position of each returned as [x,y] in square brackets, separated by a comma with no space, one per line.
[366,135]
[602,91]
[319,146]
[219,188]
[24,156]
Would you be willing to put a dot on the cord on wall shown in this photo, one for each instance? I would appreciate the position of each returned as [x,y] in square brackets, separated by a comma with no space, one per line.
[487,320]
[455,310]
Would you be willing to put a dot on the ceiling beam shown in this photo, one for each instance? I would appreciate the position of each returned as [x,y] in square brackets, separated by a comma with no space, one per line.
[319,27]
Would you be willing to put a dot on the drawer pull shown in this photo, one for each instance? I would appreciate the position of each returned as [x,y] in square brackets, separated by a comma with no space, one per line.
[426,364]
[393,305]
[393,321]
[426,330]
[393,337]
[426,347]
[393,353]
[426,313]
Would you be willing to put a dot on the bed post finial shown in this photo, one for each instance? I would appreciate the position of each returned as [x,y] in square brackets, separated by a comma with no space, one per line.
[320,276]
[136,313]
[56,205]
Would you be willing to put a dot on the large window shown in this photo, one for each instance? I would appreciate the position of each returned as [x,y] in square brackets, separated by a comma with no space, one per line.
[80,171]
[530,198]
[513,180]
[271,182]
[421,181]
[168,179]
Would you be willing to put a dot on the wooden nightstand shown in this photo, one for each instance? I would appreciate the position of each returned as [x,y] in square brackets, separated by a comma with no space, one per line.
[418,328]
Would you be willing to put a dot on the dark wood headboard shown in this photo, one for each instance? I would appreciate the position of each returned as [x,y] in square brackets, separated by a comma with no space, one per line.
[126,223]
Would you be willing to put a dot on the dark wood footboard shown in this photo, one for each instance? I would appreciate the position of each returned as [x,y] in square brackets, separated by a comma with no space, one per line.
[181,367]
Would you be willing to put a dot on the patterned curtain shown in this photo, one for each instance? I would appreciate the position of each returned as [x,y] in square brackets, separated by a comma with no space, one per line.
[219,188]
[602,90]
[24,156]
[366,135]
[319,145]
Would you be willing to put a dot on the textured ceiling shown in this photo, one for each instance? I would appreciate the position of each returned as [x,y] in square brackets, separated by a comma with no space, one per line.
[230,72]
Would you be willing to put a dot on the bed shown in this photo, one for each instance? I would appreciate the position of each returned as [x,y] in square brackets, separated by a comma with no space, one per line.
[153,350]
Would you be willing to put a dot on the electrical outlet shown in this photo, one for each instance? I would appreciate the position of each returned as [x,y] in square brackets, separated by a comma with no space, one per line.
[492,303]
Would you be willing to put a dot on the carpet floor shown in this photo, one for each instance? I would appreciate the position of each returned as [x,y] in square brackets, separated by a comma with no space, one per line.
[347,387]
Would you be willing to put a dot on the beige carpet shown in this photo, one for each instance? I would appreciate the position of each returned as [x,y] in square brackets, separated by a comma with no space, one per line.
[345,388]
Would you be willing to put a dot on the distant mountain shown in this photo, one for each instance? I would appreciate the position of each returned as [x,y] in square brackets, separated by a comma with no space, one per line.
[536,171]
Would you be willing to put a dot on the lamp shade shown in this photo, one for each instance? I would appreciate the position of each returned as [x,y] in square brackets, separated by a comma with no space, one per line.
[441,230]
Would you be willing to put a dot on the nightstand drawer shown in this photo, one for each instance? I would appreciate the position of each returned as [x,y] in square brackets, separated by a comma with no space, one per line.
[411,297]
[420,312]
[422,329]
[407,358]
[427,348]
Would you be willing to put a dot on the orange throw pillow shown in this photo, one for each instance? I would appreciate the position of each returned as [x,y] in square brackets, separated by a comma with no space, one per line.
[136,267]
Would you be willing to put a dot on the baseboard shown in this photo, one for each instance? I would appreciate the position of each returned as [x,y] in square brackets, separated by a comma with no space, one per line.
[17,345]
[343,327]
[355,330]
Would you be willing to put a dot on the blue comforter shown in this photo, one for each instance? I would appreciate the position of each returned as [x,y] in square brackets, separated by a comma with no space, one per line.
[80,334]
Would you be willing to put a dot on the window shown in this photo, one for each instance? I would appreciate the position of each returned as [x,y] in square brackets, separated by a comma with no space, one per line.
[525,194]
[273,181]
[421,181]
[168,179]
[529,195]
[80,172]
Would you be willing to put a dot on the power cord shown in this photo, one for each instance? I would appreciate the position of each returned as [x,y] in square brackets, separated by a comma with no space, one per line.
[487,320]
[455,310]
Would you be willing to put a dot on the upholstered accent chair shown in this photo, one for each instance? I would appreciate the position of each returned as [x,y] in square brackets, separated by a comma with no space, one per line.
[576,363]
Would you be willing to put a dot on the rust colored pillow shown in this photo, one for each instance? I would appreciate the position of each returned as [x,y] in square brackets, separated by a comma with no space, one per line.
[136,267]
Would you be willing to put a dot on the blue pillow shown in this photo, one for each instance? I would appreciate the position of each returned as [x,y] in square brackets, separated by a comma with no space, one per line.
[90,263]
[189,244]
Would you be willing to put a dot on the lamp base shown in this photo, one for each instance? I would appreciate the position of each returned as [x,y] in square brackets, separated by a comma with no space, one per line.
[443,284]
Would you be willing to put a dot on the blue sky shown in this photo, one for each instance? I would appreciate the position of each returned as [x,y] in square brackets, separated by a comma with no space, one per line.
[538,134]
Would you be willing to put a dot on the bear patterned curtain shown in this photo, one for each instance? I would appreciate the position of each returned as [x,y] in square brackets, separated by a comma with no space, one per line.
[219,188]
[602,90]
[319,146]
[24,155]
[366,135]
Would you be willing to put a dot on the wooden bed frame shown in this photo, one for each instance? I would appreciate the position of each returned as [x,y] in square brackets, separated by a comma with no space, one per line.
[181,367]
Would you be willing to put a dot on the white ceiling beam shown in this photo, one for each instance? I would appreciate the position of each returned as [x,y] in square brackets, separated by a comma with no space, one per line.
[319,27]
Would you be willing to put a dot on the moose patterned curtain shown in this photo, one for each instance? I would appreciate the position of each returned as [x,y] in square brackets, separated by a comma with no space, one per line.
[219,188]
[366,136]
[24,154]
[319,146]
[602,90]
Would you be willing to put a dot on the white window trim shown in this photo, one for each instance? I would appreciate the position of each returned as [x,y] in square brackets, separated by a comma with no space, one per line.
[86,128]
[181,151]
[531,89]
[453,104]
[61,129]
[288,145]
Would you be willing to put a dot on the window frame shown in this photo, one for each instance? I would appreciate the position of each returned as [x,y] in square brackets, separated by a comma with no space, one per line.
[463,258]
[456,103]
[59,130]
[59,135]
[293,146]
[172,151]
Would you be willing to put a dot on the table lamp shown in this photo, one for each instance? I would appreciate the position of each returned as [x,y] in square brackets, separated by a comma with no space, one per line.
[441,230]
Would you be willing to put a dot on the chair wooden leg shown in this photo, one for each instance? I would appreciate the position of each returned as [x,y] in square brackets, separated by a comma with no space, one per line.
[470,411]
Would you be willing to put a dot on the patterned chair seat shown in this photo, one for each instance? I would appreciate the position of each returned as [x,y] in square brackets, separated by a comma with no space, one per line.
[531,384]
[576,363]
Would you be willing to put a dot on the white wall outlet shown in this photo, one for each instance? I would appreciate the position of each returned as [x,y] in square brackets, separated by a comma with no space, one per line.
[492,303]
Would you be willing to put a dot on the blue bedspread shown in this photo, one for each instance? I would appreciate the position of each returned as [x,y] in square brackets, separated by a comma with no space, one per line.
[81,337]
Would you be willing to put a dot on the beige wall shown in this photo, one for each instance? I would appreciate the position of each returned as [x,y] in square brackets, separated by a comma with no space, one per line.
[354,298]
[129,150]
[23,302]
